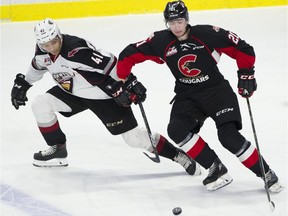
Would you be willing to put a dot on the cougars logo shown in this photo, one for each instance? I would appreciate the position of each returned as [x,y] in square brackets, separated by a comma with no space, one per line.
[186,65]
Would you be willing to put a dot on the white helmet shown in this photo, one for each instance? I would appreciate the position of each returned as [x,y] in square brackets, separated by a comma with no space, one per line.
[46,30]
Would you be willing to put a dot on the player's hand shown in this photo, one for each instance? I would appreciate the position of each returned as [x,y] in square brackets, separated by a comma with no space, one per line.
[246,82]
[19,90]
[121,94]
[136,87]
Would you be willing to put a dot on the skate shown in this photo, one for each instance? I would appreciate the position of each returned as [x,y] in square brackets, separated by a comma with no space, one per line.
[55,156]
[273,183]
[191,167]
[218,176]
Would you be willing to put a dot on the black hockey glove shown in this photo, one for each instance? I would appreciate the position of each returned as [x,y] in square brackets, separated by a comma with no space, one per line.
[136,87]
[19,90]
[121,94]
[246,82]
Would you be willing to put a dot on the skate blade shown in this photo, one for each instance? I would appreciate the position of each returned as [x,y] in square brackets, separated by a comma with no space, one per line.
[276,188]
[55,162]
[219,183]
[197,170]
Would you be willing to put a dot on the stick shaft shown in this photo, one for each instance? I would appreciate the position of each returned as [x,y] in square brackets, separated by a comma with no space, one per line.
[156,158]
[259,153]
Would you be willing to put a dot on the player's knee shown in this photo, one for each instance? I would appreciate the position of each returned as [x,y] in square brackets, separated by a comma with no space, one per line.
[180,127]
[176,133]
[138,138]
[230,137]
[39,104]
[226,133]
[41,109]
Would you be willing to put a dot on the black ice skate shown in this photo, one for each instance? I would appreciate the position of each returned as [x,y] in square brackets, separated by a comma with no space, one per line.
[55,156]
[191,167]
[218,176]
[273,184]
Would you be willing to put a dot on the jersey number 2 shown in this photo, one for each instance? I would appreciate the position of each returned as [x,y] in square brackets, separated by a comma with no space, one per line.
[235,38]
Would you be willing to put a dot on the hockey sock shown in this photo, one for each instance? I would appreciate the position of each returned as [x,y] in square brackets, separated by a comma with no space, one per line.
[199,150]
[248,156]
[52,134]
[165,148]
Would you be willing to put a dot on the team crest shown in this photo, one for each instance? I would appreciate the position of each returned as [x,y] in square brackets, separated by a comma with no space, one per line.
[65,80]
[186,65]
[67,85]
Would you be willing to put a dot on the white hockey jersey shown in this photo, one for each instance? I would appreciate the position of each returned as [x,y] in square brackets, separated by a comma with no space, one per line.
[80,69]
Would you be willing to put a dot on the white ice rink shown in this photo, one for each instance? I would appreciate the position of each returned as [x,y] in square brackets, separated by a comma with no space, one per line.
[107,178]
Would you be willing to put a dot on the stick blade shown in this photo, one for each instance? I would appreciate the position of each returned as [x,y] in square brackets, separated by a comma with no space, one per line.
[272,206]
[155,159]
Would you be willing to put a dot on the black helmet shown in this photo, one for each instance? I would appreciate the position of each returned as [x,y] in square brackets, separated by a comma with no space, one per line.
[175,10]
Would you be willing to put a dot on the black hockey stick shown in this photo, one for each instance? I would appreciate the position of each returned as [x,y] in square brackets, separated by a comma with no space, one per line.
[156,159]
[271,203]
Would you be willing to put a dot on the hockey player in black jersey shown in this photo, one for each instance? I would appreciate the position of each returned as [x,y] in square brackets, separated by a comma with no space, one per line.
[82,74]
[192,54]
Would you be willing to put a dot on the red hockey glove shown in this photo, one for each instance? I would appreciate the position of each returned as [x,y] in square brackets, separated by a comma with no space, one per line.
[136,87]
[121,94]
[246,82]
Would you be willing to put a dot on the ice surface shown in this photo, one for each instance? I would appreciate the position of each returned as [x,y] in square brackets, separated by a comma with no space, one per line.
[107,178]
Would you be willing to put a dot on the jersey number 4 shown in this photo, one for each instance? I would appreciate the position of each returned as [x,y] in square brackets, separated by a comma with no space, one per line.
[98,58]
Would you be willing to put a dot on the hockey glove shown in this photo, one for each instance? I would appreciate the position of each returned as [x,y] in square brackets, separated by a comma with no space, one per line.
[246,82]
[136,87]
[19,90]
[121,94]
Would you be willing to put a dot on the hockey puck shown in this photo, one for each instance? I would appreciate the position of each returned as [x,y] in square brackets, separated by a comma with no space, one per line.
[177,211]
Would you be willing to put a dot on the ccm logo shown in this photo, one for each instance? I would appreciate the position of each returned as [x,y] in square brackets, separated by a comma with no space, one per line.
[114,123]
[247,77]
[224,111]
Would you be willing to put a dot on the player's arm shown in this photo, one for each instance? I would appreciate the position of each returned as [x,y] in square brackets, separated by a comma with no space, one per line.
[35,71]
[94,65]
[23,83]
[232,45]
[136,53]
[129,90]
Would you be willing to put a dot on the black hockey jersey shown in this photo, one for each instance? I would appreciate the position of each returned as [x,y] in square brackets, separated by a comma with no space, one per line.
[193,62]
[80,68]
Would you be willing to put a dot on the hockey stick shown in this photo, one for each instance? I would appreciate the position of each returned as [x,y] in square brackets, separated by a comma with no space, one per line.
[272,205]
[156,159]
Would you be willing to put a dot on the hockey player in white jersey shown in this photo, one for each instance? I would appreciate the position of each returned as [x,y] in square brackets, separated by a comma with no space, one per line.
[82,74]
